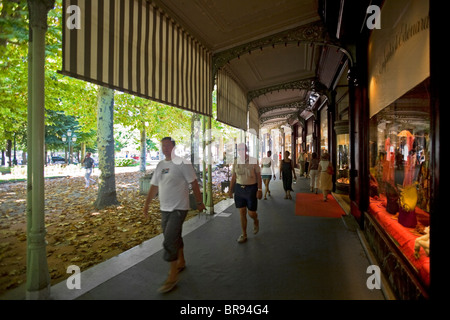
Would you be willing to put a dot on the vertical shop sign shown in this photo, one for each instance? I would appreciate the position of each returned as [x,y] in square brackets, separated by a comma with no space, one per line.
[398,53]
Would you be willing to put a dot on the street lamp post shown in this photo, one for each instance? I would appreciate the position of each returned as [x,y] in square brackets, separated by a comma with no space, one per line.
[69,138]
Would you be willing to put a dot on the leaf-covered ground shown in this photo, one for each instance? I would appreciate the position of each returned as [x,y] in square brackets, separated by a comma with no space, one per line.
[77,233]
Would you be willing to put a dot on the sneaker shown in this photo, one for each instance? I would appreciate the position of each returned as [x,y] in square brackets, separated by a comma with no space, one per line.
[242,238]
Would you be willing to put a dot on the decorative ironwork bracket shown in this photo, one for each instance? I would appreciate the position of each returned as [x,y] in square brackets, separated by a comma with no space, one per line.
[314,32]
[311,84]
[297,105]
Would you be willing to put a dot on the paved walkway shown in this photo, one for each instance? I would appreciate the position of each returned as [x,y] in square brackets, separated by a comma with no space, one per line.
[291,258]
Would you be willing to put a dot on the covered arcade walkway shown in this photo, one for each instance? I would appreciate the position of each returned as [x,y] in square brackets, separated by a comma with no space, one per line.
[275,65]
[291,258]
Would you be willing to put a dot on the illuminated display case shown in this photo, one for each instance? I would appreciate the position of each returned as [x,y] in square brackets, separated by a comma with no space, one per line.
[400,176]
[342,157]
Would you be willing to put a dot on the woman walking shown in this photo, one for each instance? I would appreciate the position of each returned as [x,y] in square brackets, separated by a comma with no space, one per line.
[267,172]
[325,175]
[314,173]
[286,171]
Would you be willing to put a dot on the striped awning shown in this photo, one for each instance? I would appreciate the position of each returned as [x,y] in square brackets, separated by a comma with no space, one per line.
[134,47]
[253,118]
[231,101]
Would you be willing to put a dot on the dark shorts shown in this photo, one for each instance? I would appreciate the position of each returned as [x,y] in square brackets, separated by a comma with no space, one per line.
[172,223]
[245,196]
[268,176]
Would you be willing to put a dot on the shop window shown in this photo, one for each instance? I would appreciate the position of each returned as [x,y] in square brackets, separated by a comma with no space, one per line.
[343,163]
[309,143]
[342,156]
[400,173]
[288,142]
[323,130]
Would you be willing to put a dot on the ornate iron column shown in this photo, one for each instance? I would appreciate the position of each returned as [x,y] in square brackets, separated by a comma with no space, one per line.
[38,277]
[209,204]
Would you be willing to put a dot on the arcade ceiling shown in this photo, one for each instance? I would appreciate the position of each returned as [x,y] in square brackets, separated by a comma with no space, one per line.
[280,51]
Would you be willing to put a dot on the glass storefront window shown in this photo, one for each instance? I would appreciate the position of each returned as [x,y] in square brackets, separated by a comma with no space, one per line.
[343,162]
[400,145]
[400,176]
[323,130]
[309,145]
[288,142]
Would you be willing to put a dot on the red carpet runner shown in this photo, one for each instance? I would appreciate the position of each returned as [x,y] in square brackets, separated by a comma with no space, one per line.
[310,204]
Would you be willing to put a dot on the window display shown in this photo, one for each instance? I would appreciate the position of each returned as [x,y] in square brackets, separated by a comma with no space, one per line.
[400,172]
[288,141]
[343,161]
[323,130]
[309,143]
[341,128]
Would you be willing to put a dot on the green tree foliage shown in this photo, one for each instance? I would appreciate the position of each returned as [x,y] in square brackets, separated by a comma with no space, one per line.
[66,96]
[13,68]
[157,119]
[62,94]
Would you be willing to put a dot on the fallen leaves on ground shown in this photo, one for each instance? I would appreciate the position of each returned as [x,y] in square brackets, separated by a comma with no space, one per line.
[77,233]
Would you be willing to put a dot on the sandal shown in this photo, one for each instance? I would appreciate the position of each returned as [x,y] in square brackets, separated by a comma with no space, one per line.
[242,238]
[168,286]
[256,227]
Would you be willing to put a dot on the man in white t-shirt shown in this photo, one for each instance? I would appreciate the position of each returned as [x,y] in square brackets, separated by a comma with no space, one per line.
[170,181]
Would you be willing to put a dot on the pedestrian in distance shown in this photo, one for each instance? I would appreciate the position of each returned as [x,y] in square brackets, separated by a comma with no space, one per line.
[89,165]
[246,185]
[170,181]
[301,163]
[326,172]
[267,171]
[286,172]
[314,173]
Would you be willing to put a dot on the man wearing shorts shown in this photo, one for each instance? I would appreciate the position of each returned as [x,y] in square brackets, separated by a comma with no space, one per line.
[247,187]
[171,180]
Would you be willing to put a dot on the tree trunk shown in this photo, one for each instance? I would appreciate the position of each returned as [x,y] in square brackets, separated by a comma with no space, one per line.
[105,142]
[9,151]
[142,158]
[83,150]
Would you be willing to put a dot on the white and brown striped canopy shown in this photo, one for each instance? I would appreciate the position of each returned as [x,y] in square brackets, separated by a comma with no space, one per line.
[134,47]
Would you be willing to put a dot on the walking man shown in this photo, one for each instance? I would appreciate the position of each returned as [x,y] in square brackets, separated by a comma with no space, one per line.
[247,187]
[88,163]
[170,181]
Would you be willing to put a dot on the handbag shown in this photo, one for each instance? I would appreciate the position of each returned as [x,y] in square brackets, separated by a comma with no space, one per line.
[392,199]
[373,187]
[407,219]
[407,209]
[330,170]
